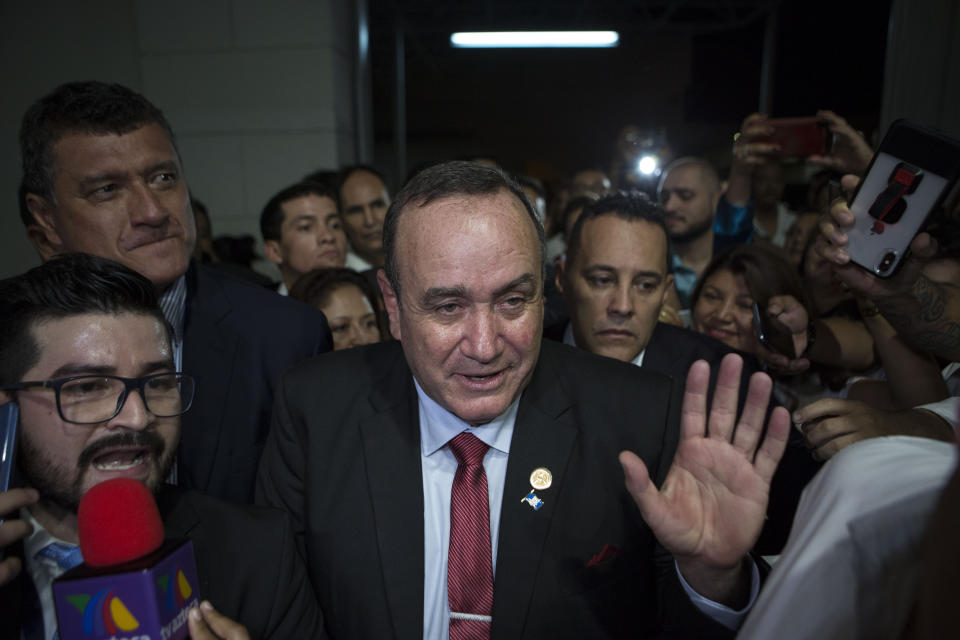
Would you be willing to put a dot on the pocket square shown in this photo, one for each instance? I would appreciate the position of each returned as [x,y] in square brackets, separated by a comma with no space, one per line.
[608,552]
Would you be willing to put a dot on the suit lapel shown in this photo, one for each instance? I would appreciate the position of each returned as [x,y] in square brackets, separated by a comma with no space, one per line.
[11,597]
[655,356]
[391,445]
[543,436]
[208,354]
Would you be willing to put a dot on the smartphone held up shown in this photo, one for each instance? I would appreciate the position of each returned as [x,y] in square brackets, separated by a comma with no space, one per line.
[909,177]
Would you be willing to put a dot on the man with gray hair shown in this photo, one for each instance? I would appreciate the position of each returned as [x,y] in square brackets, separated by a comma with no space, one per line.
[468,449]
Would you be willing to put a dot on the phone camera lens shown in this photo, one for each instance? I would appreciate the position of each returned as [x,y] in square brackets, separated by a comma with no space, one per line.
[886,263]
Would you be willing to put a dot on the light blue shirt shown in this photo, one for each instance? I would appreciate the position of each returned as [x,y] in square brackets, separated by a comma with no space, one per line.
[437,427]
[173,304]
[684,278]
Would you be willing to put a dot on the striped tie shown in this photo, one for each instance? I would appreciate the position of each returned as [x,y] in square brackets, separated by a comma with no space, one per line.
[469,566]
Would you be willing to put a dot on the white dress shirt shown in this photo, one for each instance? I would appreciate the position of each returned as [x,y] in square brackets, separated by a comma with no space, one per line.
[356,263]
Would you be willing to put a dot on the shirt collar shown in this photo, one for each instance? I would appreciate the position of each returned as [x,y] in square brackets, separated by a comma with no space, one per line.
[568,339]
[438,426]
[677,264]
[38,539]
[173,303]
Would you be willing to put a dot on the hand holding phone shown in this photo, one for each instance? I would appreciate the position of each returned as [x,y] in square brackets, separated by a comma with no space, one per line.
[773,334]
[13,529]
[798,137]
[11,500]
[912,172]
[9,417]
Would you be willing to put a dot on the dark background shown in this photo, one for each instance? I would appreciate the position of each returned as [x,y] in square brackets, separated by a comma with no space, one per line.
[691,68]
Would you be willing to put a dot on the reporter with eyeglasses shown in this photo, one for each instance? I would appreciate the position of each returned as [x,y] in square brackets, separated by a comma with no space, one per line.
[86,354]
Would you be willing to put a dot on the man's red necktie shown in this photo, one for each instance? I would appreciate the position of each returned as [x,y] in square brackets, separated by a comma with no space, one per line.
[469,565]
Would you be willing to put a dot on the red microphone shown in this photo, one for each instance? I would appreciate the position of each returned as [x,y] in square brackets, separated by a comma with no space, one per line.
[118,521]
[131,584]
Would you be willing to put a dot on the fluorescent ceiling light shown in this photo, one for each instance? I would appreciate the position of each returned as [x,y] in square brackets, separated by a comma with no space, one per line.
[533,39]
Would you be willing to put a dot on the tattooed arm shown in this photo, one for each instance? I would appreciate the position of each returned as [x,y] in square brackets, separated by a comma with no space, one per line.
[926,313]
[928,318]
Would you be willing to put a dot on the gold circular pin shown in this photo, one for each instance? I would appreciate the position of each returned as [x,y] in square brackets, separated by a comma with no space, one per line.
[541,478]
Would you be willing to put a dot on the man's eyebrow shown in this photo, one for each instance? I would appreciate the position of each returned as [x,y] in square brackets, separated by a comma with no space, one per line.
[110,176]
[599,267]
[648,274]
[434,294]
[305,217]
[524,281]
[119,176]
[83,369]
[166,165]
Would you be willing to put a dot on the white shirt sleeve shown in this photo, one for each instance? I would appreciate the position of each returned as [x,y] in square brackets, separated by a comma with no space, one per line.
[730,618]
[948,410]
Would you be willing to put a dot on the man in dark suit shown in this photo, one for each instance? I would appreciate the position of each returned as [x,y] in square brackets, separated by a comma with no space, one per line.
[614,283]
[367,454]
[87,357]
[102,175]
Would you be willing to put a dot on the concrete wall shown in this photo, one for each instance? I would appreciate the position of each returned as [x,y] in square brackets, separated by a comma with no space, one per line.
[258,94]
[922,79]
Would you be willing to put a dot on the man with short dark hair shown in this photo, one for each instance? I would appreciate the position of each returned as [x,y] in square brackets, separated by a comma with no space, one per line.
[469,448]
[302,231]
[614,283]
[615,278]
[86,354]
[364,199]
[102,175]
[689,193]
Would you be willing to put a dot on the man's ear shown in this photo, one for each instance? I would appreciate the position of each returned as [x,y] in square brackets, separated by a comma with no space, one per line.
[561,273]
[271,249]
[391,301]
[43,233]
[668,285]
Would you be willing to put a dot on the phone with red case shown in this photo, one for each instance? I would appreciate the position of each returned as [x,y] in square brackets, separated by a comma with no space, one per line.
[799,137]
[914,169]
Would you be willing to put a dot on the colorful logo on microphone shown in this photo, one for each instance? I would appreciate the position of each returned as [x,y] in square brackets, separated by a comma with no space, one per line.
[175,589]
[103,613]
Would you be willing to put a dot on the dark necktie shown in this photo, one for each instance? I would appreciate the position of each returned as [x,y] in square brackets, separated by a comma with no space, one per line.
[469,566]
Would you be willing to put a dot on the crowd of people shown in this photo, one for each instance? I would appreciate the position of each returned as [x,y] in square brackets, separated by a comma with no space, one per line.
[484,408]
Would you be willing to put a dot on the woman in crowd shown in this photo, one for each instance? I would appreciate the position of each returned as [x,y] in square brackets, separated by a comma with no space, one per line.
[346,300]
[723,308]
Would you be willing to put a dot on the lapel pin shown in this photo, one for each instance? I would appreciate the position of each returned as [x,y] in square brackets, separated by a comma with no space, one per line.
[532,500]
[541,478]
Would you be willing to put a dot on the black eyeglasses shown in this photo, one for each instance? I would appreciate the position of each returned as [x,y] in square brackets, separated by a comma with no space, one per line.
[94,399]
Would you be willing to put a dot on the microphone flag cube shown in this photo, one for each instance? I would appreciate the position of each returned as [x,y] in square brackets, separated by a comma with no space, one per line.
[148,598]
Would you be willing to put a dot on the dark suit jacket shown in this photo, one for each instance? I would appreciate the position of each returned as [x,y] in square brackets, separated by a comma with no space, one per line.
[671,351]
[247,564]
[343,458]
[238,340]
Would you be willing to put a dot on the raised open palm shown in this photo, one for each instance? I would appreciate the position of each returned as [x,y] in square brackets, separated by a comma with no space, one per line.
[712,504]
